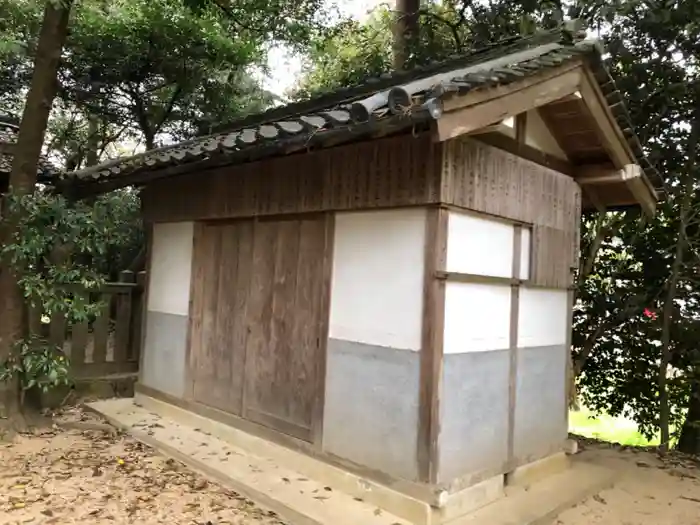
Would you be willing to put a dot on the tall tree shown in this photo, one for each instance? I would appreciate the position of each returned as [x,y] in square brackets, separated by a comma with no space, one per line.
[42,92]
[406,28]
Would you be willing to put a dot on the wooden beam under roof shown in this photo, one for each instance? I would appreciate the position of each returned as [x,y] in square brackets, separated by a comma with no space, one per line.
[631,176]
[483,108]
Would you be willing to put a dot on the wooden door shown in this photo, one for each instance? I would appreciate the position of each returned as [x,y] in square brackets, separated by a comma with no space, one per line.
[260,321]
[222,266]
[285,364]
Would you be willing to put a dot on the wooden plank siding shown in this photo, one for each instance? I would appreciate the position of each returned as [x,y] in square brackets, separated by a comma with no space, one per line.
[398,171]
[257,322]
[390,172]
[492,181]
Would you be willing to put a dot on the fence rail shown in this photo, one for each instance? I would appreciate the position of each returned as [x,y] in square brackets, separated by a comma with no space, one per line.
[111,343]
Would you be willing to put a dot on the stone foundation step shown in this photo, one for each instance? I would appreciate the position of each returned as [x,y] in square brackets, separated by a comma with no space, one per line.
[306,491]
[293,496]
[541,502]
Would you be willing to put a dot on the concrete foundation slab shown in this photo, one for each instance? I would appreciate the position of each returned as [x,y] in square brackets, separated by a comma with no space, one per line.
[470,499]
[541,502]
[298,497]
[538,470]
[307,491]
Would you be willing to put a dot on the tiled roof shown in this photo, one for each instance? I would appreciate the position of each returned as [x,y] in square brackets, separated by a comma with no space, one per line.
[8,138]
[392,101]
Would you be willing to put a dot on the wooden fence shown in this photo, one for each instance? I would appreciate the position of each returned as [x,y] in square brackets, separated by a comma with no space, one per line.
[108,345]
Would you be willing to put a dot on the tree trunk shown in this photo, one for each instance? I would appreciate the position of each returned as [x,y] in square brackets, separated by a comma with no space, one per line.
[664,407]
[93,141]
[575,366]
[30,140]
[150,140]
[689,441]
[406,28]
[676,269]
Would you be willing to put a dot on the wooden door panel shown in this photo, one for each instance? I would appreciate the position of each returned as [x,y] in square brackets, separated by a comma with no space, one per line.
[238,302]
[202,361]
[220,356]
[259,312]
[303,370]
[258,320]
[281,377]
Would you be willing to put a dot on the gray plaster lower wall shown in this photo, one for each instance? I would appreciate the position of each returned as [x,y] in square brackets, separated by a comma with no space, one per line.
[540,408]
[473,413]
[163,362]
[371,406]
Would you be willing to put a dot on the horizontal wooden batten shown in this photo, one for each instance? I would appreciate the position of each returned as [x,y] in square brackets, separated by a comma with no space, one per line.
[475,213]
[457,277]
[587,175]
[477,279]
[630,177]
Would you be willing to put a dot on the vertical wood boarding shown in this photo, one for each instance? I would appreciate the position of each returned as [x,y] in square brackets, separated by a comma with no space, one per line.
[384,173]
[258,320]
[194,326]
[489,180]
[431,357]
[122,335]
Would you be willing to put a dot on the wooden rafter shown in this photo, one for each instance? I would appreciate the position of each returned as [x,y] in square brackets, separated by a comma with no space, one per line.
[483,108]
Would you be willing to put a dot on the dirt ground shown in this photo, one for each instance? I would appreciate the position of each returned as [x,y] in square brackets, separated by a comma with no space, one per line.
[73,475]
[65,476]
[649,490]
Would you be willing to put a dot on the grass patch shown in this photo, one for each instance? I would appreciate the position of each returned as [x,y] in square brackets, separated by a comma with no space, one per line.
[607,428]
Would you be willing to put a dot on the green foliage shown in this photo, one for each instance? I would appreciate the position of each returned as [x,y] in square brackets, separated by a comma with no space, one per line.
[352,51]
[153,65]
[120,212]
[54,248]
[37,365]
[60,252]
[293,22]
[149,71]
[347,55]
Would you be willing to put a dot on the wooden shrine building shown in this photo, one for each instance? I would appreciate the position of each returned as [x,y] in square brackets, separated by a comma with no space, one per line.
[381,276]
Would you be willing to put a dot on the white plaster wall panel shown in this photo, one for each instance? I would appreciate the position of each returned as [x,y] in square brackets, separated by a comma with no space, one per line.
[538,136]
[378,273]
[477,317]
[525,253]
[542,317]
[171,268]
[479,245]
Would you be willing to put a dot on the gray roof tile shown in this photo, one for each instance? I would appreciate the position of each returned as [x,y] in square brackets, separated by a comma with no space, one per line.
[397,99]
[8,138]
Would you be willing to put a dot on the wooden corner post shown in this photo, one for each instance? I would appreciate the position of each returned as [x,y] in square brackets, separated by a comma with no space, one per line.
[432,345]
[513,344]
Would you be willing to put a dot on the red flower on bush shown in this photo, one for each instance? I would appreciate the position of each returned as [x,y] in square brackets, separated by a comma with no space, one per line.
[649,314]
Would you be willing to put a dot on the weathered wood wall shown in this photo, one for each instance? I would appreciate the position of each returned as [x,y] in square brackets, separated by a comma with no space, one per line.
[390,172]
[259,322]
[482,178]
